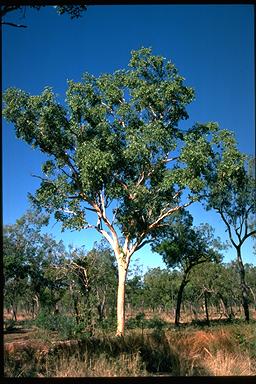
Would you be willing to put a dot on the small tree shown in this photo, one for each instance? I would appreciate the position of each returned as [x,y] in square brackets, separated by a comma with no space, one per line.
[185,247]
[117,153]
[92,277]
[232,193]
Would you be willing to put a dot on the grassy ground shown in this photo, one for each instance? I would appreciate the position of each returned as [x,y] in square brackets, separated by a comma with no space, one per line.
[221,349]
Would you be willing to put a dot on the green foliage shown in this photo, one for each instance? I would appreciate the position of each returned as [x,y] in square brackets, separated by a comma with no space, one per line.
[113,139]
[139,321]
[160,288]
[73,11]
[184,246]
[29,258]
[66,326]
[92,280]
[231,191]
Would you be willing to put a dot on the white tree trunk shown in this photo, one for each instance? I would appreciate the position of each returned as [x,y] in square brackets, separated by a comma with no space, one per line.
[122,272]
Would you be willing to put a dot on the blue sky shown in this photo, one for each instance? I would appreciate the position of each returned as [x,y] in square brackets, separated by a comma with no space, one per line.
[211,45]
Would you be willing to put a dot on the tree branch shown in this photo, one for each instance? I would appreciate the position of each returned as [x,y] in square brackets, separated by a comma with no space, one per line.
[43,179]
[13,24]
[102,203]
[248,235]
[143,243]
[107,237]
[68,211]
[126,244]
[228,227]
[141,179]
[170,159]
[238,233]
[168,213]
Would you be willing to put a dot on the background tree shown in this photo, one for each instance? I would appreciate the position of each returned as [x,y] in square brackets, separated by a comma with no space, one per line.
[220,283]
[116,152]
[27,254]
[185,247]
[232,194]
[93,280]
[74,11]
[134,287]
[250,272]
[161,288]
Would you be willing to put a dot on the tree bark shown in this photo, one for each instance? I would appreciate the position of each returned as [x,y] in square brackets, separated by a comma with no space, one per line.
[206,307]
[253,295]
[122,272]
[101,308]
[244,288]
[36,301]
[224,305]
[179,300]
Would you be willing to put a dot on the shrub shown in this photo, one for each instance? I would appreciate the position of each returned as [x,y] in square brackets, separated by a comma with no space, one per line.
[66,326]
[139,321]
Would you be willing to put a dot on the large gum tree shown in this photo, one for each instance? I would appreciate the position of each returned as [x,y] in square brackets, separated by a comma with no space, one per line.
[118,161]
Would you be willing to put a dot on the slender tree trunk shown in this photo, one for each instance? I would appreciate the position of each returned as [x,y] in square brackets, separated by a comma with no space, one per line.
[253,295]
[122,272]
[14,312]
[179,300]
[244,288]
[101,308]
[36,300]
[223,304]
[76,310]
[206,307]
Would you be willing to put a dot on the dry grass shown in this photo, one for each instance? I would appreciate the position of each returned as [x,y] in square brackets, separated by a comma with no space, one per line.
[125,365]
[224,363]
[224,350]
[214,352]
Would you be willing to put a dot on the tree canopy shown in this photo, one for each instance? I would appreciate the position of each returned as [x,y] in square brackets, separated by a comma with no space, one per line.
[113,142]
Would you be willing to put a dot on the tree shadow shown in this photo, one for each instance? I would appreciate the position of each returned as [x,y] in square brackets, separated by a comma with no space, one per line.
[156,354]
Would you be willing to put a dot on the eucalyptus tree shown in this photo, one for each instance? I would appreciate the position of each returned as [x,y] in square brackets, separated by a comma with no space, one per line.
[232,193]
[184,246]
[116,151]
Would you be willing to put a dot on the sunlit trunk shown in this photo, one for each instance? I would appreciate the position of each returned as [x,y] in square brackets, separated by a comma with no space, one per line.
[122,272]
[37,305]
